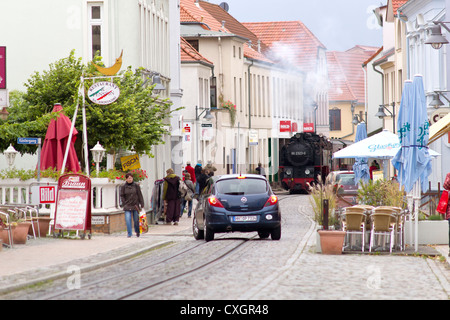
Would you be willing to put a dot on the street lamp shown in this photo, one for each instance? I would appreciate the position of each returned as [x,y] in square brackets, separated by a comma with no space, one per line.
[436,102]
[97,153]
[10,155]
[436,39]
[380,114]
[4,114]
[208,115]
[157,82]
[357,119]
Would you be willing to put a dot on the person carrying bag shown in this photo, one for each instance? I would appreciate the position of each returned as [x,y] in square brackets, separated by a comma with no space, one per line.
[443,204]
[132,202]
[189,194]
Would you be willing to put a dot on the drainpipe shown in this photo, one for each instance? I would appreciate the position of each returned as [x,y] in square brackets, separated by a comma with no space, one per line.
[249,97]
[249,114]
[353,126]
[407,47]
[382,83]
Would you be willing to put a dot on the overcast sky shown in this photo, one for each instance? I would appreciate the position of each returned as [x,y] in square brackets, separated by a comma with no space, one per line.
[338,24]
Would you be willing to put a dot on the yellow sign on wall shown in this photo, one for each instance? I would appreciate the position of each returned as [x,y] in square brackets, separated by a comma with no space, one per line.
[130,162]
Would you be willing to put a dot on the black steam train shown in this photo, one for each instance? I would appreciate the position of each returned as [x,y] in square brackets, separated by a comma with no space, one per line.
[303,159]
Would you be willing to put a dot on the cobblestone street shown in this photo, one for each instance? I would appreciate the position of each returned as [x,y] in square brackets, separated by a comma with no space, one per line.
[289,269]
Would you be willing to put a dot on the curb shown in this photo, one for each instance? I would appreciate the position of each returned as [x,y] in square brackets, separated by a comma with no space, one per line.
[87,268]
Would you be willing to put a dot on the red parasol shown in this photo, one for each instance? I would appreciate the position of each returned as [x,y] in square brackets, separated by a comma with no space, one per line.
[54,148]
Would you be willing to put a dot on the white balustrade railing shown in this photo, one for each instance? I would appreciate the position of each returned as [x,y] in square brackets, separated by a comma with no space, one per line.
[104,194]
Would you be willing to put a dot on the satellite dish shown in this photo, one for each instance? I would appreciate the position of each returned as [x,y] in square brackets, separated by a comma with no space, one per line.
[225,6]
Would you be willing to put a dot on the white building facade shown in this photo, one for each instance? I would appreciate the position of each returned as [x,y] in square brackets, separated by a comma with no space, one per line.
[38,33]
[433,65]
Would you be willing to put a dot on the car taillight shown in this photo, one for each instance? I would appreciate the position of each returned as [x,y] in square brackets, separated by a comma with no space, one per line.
[273,199]
[213,201]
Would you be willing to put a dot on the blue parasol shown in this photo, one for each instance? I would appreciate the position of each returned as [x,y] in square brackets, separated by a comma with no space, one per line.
[361,168]
[413,160]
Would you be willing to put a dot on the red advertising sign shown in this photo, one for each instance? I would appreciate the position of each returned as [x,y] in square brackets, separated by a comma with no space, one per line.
[47,194]
[285,126]
[2,67]
[308,127]
[73,206]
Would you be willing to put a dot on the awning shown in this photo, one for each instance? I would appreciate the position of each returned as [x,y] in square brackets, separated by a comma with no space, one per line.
[440,128]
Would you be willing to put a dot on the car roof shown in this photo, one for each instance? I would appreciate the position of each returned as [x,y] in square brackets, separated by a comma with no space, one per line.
[342,172]
[248,175]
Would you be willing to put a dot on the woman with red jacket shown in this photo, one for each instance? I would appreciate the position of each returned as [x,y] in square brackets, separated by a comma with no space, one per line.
[447,215]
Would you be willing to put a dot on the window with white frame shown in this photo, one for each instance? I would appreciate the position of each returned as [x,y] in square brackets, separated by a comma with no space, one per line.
[95,28]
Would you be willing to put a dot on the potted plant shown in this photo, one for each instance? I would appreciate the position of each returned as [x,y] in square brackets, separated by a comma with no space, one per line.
[231,107]
[324,194]
[19,229]
[381,193]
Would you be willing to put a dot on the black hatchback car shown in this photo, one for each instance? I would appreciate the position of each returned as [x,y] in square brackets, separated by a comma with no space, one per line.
[243,203]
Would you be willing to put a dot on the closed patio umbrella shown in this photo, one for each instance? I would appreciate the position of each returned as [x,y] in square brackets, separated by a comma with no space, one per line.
[56,139]
[413,160]
[360,167]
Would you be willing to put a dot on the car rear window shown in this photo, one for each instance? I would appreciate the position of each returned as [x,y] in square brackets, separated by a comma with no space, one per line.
[346,178]
[241,186]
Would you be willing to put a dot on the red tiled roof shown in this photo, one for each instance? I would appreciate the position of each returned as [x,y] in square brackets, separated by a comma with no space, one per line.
[288,40]
[397,4]
[212,15]
[339,89]
[189,54]
[346,75]
[190,11]
[233,25]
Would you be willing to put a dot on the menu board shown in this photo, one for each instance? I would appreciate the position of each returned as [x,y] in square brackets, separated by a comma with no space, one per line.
[72,207]
[73,203]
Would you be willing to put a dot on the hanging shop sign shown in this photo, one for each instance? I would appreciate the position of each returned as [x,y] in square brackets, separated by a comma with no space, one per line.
[103,93]
[308,127]
[130,162]
[2,67]
[285,126]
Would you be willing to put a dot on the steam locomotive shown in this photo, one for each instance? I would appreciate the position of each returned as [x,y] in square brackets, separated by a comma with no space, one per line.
[306,157]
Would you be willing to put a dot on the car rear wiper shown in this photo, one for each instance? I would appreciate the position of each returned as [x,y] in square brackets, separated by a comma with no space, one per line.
[234,193]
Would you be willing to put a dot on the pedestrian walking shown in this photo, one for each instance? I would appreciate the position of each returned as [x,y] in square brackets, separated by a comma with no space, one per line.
[171,197]
[209,166]
[189,195]
[260,170]
[447,214]
[204,176]
[191,171]
[198,172]
[132,203]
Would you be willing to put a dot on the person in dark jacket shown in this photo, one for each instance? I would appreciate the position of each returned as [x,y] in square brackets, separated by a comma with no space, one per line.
[202,179]
[198,171]
[132,202]
[171,197]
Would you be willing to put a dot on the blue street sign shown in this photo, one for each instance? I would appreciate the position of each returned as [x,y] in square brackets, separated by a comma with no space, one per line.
[28,140]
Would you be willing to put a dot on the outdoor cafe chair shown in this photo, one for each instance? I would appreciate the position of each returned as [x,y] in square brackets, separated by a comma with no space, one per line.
[382,224]
[355,223]
[8,229]
[398,224]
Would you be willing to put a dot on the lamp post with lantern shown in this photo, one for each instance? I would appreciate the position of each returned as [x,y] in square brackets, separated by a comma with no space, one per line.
[97,153]
[10,155]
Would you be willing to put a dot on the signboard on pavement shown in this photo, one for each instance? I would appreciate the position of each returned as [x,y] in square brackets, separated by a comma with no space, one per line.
[73,205]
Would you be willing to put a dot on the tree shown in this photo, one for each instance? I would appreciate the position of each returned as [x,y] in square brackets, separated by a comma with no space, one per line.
[135,120]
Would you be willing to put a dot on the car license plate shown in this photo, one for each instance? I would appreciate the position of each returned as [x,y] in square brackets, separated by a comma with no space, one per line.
[244,218]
